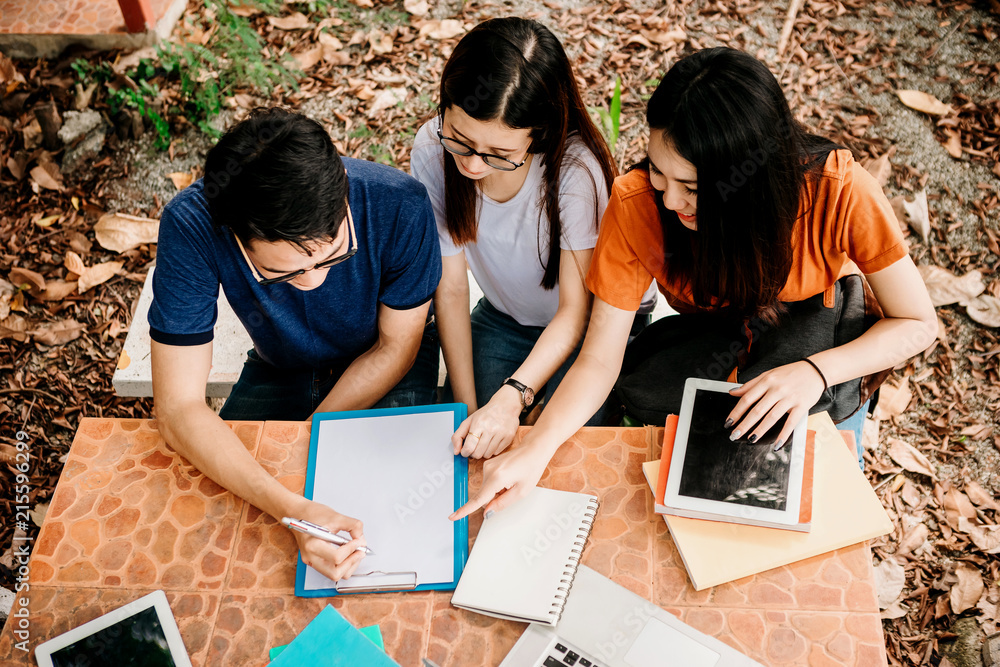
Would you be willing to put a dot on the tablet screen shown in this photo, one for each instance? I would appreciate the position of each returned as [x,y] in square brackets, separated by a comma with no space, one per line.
[741,472]
[137,640]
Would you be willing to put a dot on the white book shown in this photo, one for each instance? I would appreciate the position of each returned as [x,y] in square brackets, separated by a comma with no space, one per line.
[525,557]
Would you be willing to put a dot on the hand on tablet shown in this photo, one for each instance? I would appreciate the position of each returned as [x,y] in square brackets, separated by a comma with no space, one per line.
[330,560]
[506,479]
[490,429]
[790,390]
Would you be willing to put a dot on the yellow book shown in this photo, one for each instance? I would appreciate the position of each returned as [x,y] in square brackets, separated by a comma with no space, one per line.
[845,511]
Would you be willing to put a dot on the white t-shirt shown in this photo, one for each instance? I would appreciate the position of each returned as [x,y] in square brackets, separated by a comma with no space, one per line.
[512,237]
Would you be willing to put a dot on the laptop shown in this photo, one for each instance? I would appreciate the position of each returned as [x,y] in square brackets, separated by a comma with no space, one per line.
[606,625]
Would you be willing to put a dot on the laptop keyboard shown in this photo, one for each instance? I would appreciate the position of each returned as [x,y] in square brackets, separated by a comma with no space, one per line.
[561,654]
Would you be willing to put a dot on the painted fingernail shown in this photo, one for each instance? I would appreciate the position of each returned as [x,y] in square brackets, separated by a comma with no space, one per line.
[735,435]
[753,438]
[778,445]
[488,514]
[728,424]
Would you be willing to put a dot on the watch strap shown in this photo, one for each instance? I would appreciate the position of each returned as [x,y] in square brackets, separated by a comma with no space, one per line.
[520,386]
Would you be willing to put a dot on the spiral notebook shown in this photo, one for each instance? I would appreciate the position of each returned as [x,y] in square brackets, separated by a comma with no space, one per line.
[525,557]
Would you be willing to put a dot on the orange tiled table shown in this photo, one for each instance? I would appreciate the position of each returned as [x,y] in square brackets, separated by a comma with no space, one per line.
[129,516]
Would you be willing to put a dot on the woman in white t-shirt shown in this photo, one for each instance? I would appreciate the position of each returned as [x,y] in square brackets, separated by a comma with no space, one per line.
[519,177]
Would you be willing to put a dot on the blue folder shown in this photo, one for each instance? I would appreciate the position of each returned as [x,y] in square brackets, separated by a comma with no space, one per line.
[331,641]
[459,411]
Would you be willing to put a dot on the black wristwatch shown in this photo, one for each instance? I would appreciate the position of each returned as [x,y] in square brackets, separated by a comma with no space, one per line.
[527,393]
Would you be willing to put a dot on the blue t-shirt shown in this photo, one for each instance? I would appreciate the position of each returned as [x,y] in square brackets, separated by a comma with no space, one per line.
[398,263]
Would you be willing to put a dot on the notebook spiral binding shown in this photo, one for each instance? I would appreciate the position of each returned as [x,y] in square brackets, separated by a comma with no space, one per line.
[569,574]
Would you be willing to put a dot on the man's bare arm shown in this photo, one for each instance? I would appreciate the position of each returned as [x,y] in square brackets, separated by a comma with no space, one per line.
[180,374]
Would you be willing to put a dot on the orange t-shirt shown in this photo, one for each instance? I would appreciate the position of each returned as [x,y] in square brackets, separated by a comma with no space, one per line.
[845,224]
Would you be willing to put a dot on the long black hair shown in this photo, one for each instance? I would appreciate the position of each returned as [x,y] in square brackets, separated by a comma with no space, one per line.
[515,70]
[723,111]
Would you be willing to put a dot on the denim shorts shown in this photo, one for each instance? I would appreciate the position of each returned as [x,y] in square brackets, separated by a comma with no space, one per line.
[265,392]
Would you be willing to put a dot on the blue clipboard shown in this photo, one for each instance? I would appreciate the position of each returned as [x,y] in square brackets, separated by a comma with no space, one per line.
[461,494]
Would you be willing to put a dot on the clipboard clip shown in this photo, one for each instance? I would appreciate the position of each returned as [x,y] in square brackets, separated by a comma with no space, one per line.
[376,588]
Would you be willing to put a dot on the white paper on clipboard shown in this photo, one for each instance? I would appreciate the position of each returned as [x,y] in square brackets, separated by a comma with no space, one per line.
[395,473]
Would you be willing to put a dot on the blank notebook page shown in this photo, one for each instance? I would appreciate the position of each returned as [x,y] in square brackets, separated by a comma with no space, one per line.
[525,554]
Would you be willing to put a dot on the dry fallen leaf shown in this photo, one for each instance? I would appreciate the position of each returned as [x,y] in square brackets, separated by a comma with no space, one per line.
[47,176]
[417,7]
[986,538]
[946,288]
[893,400]
[97,274]
[664,37]
[912,209]
[33,281]
[57,290]
[445,29]
[979,496]
[73,263]
[296,21]
[309,58]
[914,539]
[890,577]
[909,493]
[38,514]
[907,456]
[58,333]
[880,169]
[965,594]
[954,144]
[14,327]
[924,102]
[181,179]
[328,40]
[8,454]
[120,232]
[381,44]
[385,99]
[984,309]
[895,610]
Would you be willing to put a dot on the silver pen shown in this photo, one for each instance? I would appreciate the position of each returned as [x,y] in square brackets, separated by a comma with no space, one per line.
[320,532]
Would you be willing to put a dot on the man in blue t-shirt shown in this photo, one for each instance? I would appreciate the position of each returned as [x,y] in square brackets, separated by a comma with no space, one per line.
[330,265]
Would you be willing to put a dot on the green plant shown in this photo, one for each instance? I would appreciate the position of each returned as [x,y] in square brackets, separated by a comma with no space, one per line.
[649,83]
[200,76]
[611,118]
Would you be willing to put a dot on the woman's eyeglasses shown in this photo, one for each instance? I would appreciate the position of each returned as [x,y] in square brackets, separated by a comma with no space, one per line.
[325,264]
[497,162]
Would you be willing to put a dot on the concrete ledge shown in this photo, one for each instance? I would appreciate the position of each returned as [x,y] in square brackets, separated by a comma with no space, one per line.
[134,375]
[42,45]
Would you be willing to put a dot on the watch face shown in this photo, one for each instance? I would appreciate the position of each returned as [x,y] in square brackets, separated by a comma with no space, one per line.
[529,396]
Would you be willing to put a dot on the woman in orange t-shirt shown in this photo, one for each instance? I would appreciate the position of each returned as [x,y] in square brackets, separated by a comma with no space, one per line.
[737,210]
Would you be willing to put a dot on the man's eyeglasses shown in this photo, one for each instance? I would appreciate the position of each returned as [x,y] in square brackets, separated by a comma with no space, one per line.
[325,264]
[497,162]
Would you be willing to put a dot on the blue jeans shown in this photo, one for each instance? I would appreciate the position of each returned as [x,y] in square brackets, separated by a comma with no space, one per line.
[856,423]
[265,392]
[499,346]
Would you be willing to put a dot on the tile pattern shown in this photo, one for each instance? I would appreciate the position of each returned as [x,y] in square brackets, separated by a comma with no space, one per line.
[67,17]
[126,517]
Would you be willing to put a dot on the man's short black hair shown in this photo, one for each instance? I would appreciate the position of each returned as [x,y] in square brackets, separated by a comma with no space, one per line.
[276,176]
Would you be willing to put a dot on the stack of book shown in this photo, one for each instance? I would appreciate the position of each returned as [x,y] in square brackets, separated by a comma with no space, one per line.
[736,510]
